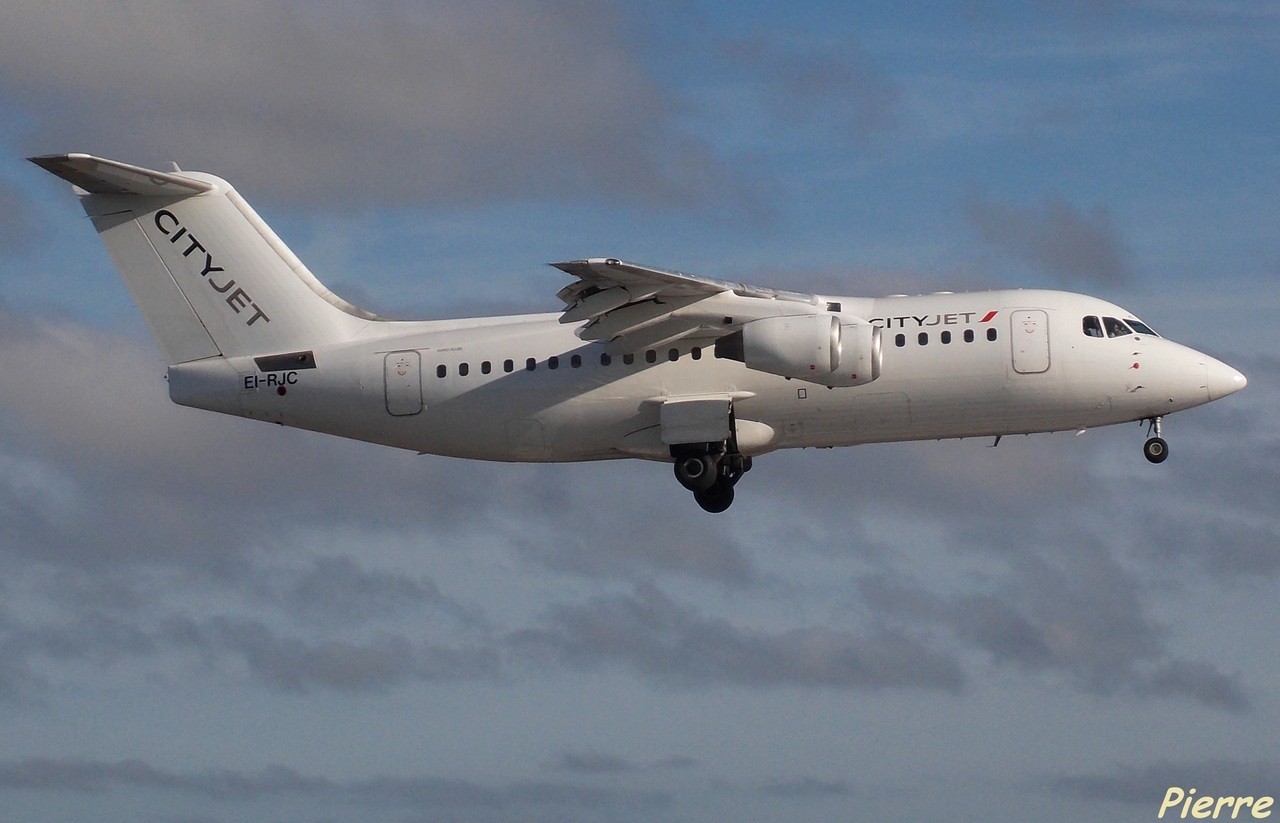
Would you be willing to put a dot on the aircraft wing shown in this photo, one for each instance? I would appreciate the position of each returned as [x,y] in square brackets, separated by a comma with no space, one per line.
[635,307]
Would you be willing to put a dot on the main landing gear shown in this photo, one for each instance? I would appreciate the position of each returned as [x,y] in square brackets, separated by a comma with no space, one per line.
[710,471]
[1155,449]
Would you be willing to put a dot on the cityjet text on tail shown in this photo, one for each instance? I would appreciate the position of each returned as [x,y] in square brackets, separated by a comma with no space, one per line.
[641,362]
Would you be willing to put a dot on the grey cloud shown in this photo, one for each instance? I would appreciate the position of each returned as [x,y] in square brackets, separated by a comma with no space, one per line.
[663,639]
[401,102]
[70,617]
[19,680]
[1197,680]
[95,776]
[806,787]
[620,542]
[835,87]
[339,590]
[1063,242]
[18,226]
[1080,614]
[592,763]
[1147,784]
[300,665]
[599,764]
[79,775]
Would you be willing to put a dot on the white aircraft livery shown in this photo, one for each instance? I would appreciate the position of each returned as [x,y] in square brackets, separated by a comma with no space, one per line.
[642,362]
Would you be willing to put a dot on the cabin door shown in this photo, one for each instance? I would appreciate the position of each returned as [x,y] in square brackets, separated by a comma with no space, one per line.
[1029,334]
[403,373]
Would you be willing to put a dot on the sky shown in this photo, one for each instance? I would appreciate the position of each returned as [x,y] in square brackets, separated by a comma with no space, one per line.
[203,618]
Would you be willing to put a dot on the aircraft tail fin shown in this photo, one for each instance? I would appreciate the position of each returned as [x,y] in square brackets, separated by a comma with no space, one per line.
[208,274]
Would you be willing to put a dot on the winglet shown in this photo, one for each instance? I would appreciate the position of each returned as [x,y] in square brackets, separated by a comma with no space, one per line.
[100,176]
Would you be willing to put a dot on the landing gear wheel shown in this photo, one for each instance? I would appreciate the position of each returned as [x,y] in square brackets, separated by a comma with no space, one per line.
[1155,449]
[697,473]
[715,499]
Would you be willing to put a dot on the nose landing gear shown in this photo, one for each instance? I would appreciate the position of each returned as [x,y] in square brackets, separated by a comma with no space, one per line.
[1155,449]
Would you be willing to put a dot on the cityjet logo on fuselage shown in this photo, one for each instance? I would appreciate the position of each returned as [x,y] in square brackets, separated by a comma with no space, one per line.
[911,321]
[237,298]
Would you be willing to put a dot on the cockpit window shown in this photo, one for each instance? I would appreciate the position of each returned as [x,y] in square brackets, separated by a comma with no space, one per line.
[1092,327]
[1140,327]
[1116,328]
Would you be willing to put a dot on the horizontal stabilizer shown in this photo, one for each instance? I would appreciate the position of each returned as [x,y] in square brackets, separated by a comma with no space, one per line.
[100,176]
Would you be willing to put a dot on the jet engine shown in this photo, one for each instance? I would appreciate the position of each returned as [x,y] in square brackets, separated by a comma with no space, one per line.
[819,348]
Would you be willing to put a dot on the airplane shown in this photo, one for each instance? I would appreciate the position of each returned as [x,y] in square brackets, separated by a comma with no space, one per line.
[642,362]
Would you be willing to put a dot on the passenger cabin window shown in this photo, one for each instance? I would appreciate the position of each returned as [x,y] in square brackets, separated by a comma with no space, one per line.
[923,338]
[463,369]
[508,365]
[553,362]
[696,353]
[651,356]
[991,333]
[486,367]
[945,337]
[628,359]
[442,370]
[673,355]
[605,359]
[530,364]
[1115,328]
[575,361]
[1092,327]
[899,340]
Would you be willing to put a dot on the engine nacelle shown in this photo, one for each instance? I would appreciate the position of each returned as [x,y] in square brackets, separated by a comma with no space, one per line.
[818,348]
[860,354]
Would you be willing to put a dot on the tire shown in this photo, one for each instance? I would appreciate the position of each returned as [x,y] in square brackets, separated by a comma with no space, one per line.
[1155,449]
[715,499]
[696,473]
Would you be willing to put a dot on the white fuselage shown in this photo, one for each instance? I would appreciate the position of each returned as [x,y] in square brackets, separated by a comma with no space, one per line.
[954,365]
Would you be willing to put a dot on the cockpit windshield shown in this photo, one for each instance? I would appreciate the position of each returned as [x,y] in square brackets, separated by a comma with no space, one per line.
[1140,327]
[1115,327]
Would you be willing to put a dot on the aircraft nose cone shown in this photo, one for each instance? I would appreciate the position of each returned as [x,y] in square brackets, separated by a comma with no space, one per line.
[1222,379]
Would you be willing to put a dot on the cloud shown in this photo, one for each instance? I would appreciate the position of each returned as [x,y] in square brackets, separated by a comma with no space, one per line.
[1063,242]
[618,543]
[1147,784]
[834,87]
[1071,610]
[52,629]
[806,787]
[658,637]
[599,764]
[300,665]
[230,785]
[18,228]
[374,103]
[338,590]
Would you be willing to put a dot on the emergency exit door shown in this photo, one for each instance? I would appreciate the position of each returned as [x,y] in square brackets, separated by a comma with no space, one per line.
[1030,341]
[403,377]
